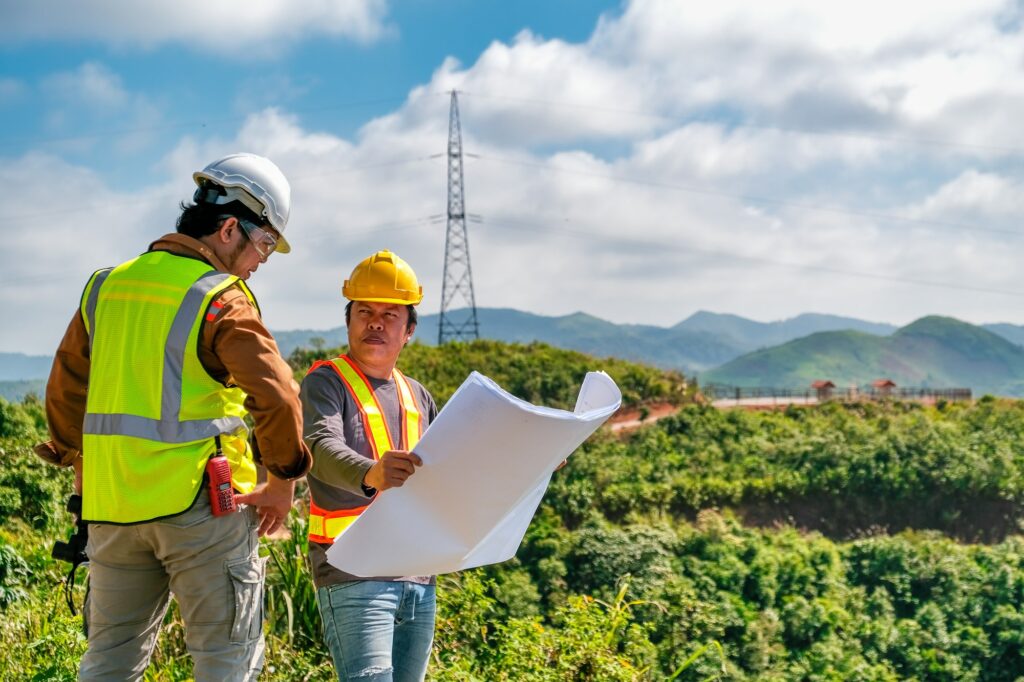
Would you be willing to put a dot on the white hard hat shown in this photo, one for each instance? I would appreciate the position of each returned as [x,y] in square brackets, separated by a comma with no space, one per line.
[256,182]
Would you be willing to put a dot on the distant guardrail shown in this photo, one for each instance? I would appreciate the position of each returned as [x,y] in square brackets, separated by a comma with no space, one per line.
[769,394]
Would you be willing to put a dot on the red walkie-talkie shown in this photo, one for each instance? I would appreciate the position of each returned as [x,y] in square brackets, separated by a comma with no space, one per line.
[218,471]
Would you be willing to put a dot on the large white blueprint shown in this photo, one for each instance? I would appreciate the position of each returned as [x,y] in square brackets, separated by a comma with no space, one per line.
[487,460]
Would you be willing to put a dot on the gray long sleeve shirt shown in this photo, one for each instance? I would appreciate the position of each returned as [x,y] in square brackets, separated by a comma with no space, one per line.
[334,432]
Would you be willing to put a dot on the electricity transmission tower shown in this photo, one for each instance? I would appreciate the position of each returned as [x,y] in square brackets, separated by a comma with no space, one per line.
[458,275]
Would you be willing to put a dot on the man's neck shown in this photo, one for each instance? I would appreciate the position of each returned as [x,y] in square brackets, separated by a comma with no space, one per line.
[181,244]
[375,371]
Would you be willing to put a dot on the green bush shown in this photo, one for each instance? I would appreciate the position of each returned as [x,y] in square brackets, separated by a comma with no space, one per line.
[21,422]
[845,469]
[535,372]
[14,575]
[670,553]
[30,489]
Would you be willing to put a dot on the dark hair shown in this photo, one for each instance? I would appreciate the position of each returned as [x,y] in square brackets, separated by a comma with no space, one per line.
[200,220]
[413,317]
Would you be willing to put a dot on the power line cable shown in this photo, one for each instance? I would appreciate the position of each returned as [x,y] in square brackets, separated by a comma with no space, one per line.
[195,123]
[751,198]
[758,259]
[391,226]
[166,197]
[553,104]
[756,126]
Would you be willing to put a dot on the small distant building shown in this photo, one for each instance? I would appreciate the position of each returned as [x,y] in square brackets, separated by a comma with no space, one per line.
[823,387]
[883,387]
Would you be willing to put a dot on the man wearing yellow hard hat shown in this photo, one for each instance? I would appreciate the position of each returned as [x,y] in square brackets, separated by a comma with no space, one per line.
[362,419]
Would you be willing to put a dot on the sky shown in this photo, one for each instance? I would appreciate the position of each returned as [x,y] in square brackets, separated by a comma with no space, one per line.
[637,161]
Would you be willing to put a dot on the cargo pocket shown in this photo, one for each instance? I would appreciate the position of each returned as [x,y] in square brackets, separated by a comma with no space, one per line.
[247,582]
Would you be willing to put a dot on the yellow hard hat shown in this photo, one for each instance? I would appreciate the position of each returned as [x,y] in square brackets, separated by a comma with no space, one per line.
[383,278]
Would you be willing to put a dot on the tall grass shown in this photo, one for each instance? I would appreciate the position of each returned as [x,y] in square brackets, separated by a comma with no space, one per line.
[291,606]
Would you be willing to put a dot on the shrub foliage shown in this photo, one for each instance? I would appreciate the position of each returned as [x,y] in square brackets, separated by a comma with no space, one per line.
[838,542]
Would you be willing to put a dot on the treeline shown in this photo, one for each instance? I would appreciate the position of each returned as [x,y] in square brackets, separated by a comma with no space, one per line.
[842,468]
[639,564]
[776,605]
[654,512]
[535,372]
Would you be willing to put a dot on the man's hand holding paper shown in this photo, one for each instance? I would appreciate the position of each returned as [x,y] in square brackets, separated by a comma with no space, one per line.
[392,470]
[488,457]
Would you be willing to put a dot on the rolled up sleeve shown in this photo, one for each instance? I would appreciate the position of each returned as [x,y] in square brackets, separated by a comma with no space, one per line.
[323,409]
[238,350]
[66,392]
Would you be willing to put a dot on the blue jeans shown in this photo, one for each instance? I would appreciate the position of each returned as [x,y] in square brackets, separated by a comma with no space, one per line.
[378,631]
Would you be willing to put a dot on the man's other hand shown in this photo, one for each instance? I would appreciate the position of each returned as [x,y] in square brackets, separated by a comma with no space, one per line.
[392,469]
[273,501]
[76,464]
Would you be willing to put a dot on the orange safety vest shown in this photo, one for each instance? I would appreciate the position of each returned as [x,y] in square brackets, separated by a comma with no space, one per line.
[327,524]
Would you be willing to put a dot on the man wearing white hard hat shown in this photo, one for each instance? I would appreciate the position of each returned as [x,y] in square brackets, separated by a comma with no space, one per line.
[147,398]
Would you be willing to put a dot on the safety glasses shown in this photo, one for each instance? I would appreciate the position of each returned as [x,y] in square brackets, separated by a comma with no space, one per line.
[264,242]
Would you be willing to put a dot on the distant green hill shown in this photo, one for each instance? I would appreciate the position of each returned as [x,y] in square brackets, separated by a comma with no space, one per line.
[659,346]
[19,367]
[933,352]
[535,372]
[14,391]
[752,335]
[701,341]
[1011,332]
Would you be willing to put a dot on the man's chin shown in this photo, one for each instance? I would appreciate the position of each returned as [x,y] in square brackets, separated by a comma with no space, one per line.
[376,351]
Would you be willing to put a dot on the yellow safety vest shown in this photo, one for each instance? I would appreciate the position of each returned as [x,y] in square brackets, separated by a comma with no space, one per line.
[153,412]
[327,524]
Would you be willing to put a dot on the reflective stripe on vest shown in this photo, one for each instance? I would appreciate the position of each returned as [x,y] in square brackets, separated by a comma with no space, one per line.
[166,429]
[327,524]
[152,408]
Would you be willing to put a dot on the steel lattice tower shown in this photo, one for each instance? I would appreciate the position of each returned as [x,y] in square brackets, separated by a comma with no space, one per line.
[458,275]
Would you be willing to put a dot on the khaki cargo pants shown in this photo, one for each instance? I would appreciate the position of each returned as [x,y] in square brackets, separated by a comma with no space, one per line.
[210,564]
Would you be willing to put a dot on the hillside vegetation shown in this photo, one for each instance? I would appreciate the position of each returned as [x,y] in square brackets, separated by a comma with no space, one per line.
[21,367]
[638,564]
[750,334]
[699,342]
[535,372]
[932,352]
[14,391]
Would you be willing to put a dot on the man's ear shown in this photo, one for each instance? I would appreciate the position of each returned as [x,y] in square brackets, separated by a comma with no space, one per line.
[409,332]
[227,229]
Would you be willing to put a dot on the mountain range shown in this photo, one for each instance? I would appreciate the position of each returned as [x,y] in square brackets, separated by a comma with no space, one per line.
[723,348]
[701,341]
[937,352]
[19,366]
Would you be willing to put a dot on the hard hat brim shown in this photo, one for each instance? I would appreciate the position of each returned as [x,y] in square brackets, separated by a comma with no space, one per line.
[397,301]
[282,244]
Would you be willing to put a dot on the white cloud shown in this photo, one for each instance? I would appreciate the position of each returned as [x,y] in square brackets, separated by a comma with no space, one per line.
[90,85]
[822,66]
[62,222]
[234,28]
[94,98]
[764,160]
[988,198]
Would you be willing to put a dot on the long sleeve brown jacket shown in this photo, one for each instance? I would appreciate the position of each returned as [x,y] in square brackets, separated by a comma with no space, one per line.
[235,348]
